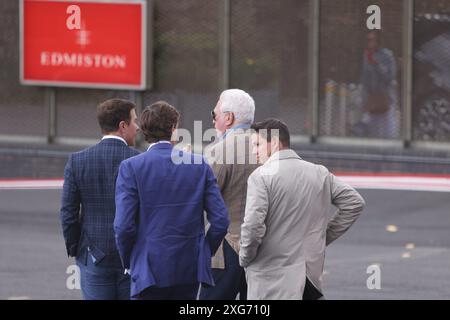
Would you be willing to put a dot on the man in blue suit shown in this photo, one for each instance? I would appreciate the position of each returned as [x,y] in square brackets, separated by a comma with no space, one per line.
[88,207]
[160,204]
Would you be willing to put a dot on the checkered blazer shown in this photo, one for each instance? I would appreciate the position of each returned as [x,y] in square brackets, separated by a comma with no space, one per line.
[88,207]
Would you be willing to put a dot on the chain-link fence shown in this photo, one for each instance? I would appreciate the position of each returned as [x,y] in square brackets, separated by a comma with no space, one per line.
[360,89]
[22,109]
[186,58]
[431,98]
[358,66]
[76,111]
[269,58]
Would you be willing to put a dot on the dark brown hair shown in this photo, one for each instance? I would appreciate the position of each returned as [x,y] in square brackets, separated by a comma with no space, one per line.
[273,127]
[158,120]
[111,112]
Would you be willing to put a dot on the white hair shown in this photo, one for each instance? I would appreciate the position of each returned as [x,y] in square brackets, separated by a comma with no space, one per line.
[240,103]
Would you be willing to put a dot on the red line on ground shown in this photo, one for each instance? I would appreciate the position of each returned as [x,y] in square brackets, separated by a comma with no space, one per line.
[391,174]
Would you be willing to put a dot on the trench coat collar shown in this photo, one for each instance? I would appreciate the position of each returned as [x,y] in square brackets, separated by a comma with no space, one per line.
[283,155]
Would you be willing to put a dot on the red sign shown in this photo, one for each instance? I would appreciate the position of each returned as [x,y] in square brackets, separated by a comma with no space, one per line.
[84,43]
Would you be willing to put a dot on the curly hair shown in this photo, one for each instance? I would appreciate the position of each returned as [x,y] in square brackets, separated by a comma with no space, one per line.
[158,121]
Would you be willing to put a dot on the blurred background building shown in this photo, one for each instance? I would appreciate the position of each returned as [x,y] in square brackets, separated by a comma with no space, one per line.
[301,60]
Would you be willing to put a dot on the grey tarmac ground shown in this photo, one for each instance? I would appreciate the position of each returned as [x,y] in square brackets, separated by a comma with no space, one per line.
[414,261]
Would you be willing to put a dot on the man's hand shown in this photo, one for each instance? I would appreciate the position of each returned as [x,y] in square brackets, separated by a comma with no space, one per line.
[187,148]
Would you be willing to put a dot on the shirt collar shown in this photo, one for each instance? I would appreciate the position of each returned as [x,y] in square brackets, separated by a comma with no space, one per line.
[235,127]
[110,136]
[162,141]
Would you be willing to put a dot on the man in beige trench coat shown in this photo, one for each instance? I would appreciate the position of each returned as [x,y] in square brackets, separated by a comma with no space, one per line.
[286,227]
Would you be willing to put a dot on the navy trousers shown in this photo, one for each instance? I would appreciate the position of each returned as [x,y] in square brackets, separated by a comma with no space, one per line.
[229,281]
[103,283]
[183,292]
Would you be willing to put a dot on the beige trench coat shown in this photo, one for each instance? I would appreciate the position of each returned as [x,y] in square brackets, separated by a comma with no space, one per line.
[286,225]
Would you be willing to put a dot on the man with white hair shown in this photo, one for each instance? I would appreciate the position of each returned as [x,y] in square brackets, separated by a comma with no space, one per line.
[234,110]
[232,163]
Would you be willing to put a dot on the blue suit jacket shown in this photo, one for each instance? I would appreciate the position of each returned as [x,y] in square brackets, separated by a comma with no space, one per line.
[159,222]
[88,207]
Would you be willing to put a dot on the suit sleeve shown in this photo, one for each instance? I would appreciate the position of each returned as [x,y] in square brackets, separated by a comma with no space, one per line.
[70,211]
[349,203]
[216,212]
[127,206]
[254,228]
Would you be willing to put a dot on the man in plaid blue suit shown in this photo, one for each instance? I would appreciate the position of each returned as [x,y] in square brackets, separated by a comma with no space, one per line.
[88,207]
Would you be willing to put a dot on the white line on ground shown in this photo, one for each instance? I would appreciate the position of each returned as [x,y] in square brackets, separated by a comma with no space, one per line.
[408,183]
[389,182]
[40,184]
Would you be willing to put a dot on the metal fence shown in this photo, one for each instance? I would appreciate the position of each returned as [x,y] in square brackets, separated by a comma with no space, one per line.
[349,78]
[304,61]
[431,94]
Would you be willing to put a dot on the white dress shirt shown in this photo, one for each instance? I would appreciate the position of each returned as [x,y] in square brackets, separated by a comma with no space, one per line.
[110,136]
[162,141]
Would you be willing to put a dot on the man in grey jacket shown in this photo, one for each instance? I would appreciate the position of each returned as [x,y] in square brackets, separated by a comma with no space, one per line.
[286,227]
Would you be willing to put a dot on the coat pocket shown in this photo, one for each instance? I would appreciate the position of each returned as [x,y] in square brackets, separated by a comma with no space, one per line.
[284,283]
